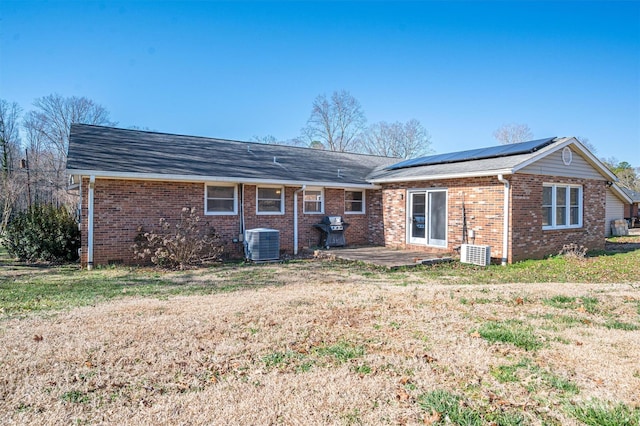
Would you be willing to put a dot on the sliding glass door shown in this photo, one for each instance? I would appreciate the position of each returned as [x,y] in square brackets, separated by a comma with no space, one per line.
[427,217]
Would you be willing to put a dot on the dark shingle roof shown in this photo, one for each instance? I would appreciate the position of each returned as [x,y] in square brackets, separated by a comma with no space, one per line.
[634,195]
[108,151]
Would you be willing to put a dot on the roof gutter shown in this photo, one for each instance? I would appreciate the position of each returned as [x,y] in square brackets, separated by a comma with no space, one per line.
[295,218]
[230,179]
[505,226]
[484,173]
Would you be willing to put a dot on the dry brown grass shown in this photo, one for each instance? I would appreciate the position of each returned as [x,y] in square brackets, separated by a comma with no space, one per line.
[270,355]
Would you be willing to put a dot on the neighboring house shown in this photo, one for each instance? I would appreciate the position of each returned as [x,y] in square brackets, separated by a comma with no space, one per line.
[632,207]
[524,200]
[617,202]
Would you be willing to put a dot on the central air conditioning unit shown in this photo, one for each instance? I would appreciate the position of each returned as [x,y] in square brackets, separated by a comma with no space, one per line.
[262,244]
[477,255]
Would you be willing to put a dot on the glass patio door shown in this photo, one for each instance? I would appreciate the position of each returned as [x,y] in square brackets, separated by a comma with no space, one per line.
[427,218]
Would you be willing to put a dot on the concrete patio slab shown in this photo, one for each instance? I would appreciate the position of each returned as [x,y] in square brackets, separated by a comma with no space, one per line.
[382,256]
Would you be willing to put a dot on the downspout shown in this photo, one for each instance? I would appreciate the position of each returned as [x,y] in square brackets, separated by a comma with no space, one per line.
[241,212]
[505,226]
[92,182]
[295,218]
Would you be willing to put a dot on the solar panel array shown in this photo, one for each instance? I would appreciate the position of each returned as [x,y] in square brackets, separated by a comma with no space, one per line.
[475,154]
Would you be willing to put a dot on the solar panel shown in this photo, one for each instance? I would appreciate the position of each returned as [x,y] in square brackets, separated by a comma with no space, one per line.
[474,154]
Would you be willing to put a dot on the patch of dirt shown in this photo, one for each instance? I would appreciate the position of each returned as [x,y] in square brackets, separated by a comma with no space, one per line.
[629,244]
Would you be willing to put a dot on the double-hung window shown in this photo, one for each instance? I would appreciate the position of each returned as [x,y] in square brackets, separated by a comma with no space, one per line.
[314,200]
[354,202]
[221,199]
[270,200]
[561,206]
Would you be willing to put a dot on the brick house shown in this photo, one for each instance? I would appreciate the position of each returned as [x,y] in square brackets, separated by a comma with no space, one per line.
[631,207]
[524,200]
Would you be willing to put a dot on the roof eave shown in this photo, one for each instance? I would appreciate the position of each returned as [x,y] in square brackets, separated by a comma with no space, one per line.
[203,179]
[621,194]
[484,173]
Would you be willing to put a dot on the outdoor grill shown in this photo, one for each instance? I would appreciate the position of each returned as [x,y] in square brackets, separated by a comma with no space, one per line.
[332,231]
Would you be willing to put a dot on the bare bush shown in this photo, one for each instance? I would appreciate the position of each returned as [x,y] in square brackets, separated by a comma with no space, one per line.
[181,245]
[573,251]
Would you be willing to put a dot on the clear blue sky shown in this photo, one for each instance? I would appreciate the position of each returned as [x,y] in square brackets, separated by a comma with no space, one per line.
[242,69]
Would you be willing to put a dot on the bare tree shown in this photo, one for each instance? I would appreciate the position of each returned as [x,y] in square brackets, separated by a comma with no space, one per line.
[55,114]
[513,133]
[337,123]
[402,140]
[587,143]
[272,140]
[269,139]
[9,151]
[47,130]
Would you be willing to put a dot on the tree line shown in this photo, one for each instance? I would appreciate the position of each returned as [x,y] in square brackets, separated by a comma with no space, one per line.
[33,161]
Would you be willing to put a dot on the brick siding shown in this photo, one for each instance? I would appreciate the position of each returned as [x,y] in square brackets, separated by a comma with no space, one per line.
[122,206]
[483,200]
[530,241]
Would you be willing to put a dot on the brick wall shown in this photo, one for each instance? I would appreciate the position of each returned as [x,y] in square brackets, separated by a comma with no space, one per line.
[631,210]
[483,200]
[530,241]
[122,206]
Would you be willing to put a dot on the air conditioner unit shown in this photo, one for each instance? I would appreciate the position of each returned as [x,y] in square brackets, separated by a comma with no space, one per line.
[477,255]
[262,244]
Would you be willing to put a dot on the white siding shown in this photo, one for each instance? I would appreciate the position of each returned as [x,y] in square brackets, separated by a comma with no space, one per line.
[552,165]
[614,210]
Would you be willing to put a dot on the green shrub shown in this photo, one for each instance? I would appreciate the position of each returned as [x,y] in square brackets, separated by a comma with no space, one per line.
[43,232]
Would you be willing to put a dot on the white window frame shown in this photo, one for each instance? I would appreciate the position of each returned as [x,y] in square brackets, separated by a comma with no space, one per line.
[304,200]
[554,206]
[220,213]
[281,188]
[363,211]
[427,240]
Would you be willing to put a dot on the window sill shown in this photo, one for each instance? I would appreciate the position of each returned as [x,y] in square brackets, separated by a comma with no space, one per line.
[561,228]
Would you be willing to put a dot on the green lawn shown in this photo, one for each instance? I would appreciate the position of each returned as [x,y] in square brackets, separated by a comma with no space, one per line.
[30,288]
